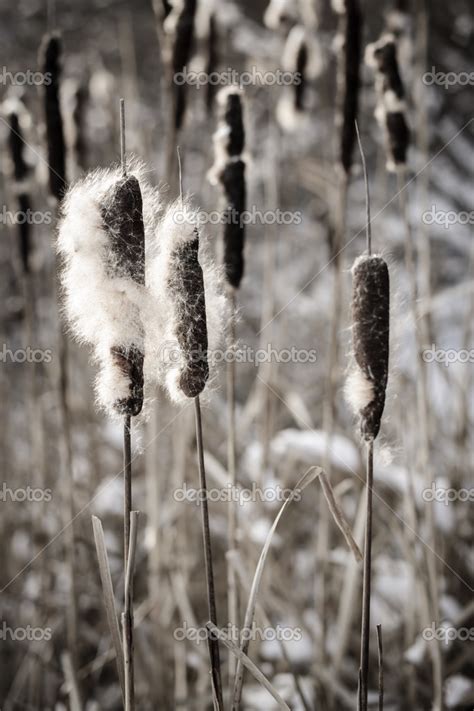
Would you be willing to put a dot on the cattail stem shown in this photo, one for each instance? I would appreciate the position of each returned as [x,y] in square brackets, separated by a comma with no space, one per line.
[367,578]
[232,589]
[380,657]
[129,545]
[127,615]
[211,596]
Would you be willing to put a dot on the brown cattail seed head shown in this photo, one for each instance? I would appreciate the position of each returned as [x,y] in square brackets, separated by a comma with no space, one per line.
[370,338]
[391,108]
[122,214]
[233,182]
[229,170]
[50,64]
[181,54]
[349,76]
[186,286]
[19,173]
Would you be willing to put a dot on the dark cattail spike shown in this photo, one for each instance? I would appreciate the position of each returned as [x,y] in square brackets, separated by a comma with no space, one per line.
[20,173]
[229,171]
[50,65]
[370,337]
[233,182]
[212,60]
[79,145]
[301,65]
[186,286]
[349,77]
[122,214]
[181,54]
[391,107]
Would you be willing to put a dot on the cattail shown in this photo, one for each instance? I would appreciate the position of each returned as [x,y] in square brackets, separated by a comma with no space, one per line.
[79,98]
[177,285]
[212,60]
[280,14]
[229,170]
[301,58]
[181,20]
[50,64]
[370,336]
[16,115]
[350,38]
[391,106]
[102,241]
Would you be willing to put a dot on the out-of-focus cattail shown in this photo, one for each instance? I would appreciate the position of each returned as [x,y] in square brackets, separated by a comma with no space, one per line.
[102,241]
[349,45]
[212,60]
[280,14]
[50,66]
[391,106]
[229,170]
[366,385]
[79,97]
[180,22]
[16,115]
[301,58]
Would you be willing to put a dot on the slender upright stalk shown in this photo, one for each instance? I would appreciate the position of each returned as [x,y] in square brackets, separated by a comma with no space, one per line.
[380,655]
[127,615]
[367,579]
[127,486]
[211,596]
[232,589]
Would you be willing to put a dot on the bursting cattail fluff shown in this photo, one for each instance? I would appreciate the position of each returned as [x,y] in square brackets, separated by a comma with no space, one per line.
[50,65]
[302,59]
[180,22]
[348,75]
[181,279]
[229,171]
[391,105]
[102,242]
[367,382]
[17,117]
